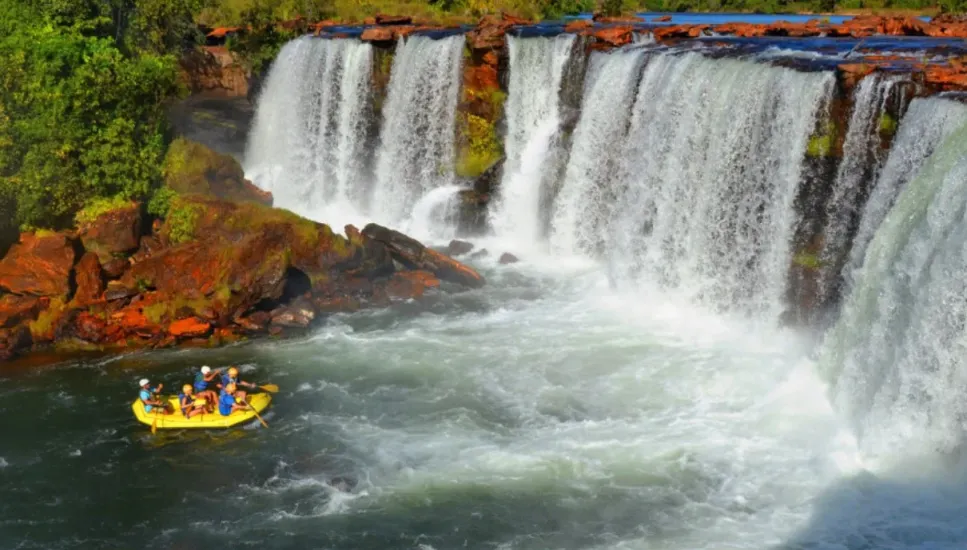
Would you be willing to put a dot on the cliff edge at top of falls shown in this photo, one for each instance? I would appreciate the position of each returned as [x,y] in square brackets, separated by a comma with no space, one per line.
[221,265]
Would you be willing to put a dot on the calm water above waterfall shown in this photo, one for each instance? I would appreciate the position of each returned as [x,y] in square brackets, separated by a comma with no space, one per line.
[630,384]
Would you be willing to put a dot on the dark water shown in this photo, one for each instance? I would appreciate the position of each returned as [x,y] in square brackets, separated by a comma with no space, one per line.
[543,411]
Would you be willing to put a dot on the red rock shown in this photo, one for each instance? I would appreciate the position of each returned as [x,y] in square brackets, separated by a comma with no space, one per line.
[490,32]
[416,256]
[578,25]
[90,280]
[191,327]
[378,34]
[612,36]
[255,322]
[298,314]
[14,309]
[90,328]
[117,290]
[411,284]
[13,341]
[222,32]
[150,246]
[383,19]
[679,31]
[369,21]
[950,77]
[745,30]
[662,19]
[38,265]
[115,232]
[490,58]
[115,268]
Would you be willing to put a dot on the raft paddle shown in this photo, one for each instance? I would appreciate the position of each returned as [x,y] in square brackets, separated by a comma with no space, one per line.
[271,388]
[154,425]
[256,414]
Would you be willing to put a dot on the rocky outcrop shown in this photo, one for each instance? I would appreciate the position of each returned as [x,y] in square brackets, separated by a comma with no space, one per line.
[39,265]
[414,255]
[213,68]
[216,271]
[112,233]
[192,168]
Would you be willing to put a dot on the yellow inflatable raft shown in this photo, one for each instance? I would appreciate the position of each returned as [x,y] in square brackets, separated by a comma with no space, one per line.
[177,421]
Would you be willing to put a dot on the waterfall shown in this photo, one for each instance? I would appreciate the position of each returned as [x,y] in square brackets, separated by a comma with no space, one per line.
[308,140]
[698,195]
[537,66]
[417,137]
[857,170]
[925,125]
[608,98]
[895,357]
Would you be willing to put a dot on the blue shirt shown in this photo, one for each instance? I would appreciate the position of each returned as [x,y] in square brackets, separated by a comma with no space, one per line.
[145,395]
[200,383]
[225,403]
[226,380]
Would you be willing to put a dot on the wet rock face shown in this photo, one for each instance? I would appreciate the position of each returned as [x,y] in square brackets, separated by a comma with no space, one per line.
[237,268]
[414,255]
[38,265]
[89,278]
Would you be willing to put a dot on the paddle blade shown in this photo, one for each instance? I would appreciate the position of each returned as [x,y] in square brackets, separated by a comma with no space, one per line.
[154,425]
[271,388]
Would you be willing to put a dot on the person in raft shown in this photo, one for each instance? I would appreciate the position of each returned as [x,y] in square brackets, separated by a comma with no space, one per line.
[189,405]
[228,401]
[232,378]
[148,396]
[203,380]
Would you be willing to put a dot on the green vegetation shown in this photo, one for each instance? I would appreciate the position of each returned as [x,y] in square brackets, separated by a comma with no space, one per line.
[888,124]
[181,220]
[101,205]
[82,90]
[808,260]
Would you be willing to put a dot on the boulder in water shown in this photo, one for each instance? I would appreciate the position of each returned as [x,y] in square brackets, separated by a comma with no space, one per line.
[507,258]
[458,248]
[414,255]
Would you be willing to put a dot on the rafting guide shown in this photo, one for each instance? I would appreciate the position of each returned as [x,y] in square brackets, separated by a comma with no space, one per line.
[198,406]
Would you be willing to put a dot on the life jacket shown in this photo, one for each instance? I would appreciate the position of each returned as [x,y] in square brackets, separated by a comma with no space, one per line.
[200,383]
[181,403]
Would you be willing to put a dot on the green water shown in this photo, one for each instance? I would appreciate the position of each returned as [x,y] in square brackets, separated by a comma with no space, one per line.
[543,411]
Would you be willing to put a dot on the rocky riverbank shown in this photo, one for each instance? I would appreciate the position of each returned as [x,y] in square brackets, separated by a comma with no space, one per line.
[221,265]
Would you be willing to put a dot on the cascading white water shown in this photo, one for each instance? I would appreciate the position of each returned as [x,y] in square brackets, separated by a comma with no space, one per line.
[699,195]
[307,144]
[858,168]
[927,122]
[895,357]
[417,138]
[537,66]
[588,186]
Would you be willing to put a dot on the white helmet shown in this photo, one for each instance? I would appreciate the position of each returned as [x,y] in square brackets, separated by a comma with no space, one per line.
[143,382]
[206,369]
